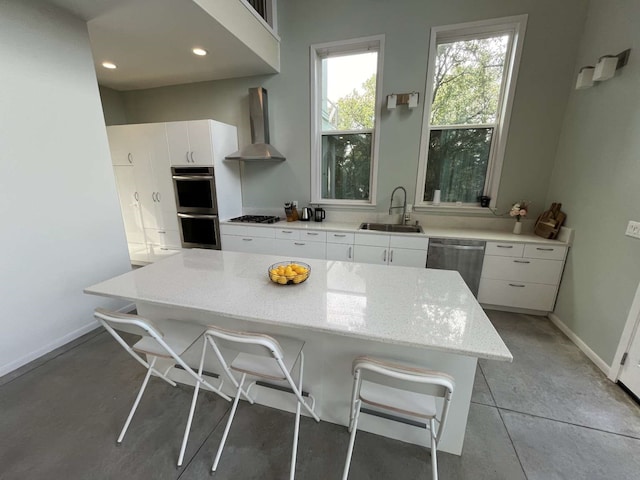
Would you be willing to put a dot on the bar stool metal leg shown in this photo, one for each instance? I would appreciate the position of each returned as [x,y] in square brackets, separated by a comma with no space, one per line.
[434,459]
[137,401]
[228,426]
[352,439]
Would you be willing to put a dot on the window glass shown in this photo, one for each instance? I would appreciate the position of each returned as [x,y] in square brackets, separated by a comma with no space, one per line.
[346,92]
[472,73]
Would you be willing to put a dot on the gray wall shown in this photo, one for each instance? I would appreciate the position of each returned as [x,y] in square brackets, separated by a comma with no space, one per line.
[546,74]
[61,224]
[597,179]
[112,106]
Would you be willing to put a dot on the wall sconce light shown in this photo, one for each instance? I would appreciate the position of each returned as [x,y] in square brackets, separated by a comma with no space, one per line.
[391,101]
[604,70]
[585,78]
[408,99]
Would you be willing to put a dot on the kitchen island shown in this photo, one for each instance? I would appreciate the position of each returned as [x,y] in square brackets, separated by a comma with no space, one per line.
[420,316]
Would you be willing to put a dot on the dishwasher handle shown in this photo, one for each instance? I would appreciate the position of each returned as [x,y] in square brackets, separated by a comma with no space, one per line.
[456,247]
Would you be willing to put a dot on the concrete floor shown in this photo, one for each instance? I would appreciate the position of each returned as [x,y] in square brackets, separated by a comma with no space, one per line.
[551,414]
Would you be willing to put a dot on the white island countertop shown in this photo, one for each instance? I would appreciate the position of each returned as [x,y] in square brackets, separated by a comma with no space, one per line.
[416,307]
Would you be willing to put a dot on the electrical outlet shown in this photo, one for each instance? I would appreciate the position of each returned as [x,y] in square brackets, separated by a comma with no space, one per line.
[633,229]
[295,203]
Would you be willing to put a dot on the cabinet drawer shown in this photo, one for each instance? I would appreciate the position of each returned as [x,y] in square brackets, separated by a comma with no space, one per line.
[504,249]
[247,244]
[340,237]
[300,249]
[340,251]
[165,238]
[522,269]
[413,242]
[313,236]
[550,252]
[287,233]
[372,239]
[226,229]
[532,296]
[266,232]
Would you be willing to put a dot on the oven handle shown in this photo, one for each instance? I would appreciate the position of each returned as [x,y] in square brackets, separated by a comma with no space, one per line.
[196,215]
[193,177]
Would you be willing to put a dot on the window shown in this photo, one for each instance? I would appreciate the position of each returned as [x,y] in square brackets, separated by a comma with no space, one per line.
[345,85]
[470,85]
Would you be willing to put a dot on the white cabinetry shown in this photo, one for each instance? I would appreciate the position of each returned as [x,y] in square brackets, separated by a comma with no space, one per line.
[189,143]
[394,250]
[523,276]
[340,246]
[248,239]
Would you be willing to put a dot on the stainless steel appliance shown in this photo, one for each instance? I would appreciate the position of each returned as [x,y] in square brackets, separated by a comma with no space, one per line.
[256,219]
[260,149]
[307,214]
[464,256]
[319,214]
[195,192]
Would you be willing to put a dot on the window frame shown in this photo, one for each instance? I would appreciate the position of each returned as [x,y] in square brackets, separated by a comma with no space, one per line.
[516,26]
[317,53]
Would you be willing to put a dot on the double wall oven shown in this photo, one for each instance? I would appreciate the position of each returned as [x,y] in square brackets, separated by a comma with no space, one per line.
[195,190]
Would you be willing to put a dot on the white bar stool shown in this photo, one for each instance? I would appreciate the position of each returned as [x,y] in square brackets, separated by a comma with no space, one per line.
[169,343]
[402,391]
[262,357]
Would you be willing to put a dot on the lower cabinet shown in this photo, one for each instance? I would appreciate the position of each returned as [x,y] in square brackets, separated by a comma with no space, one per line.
[523,276]
[248,244]
[391,250]
[299,248]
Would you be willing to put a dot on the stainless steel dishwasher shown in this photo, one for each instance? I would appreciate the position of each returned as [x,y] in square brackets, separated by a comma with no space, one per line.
[464,256]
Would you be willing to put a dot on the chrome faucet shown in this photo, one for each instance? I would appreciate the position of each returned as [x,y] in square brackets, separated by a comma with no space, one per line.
[403,220]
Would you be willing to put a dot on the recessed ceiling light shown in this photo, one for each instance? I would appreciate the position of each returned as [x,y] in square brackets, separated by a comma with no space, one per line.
[199,51]
[109,65]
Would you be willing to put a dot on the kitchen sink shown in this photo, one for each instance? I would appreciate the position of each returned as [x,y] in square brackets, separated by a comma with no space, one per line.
[391,227]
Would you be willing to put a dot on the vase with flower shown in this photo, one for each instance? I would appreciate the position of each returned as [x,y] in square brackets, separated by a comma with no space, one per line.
[518,210]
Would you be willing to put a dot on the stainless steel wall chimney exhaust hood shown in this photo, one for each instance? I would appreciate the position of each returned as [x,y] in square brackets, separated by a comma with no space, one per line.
[260,149]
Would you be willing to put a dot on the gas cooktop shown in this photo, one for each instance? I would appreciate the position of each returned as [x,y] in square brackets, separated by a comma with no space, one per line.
[256,219]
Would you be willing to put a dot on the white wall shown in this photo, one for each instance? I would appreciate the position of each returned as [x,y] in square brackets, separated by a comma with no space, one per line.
[61,227]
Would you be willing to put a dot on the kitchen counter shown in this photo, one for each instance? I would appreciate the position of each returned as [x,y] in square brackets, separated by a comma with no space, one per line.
[462,233]
[343,310]
[421,308]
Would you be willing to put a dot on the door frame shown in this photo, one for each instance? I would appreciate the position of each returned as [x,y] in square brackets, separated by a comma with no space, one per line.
[631,328]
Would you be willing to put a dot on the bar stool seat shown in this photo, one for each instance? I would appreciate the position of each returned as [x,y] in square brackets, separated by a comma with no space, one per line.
[397,400]
[260,366]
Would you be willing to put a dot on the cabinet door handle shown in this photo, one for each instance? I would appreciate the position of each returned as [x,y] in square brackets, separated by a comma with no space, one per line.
[522,261]
[187,154]
[349,254]
[311,233]
[391,256]
[286,231]
[299,243]
[136,196]
[158,196]
[153,196]
[247,239]
[545,249]
[130,158]
[504,246]
[516,285]
[162,232]
[338,236]
[192,160]
[384,259]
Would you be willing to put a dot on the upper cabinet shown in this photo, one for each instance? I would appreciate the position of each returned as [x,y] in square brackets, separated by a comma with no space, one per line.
[190,143]
[152,42]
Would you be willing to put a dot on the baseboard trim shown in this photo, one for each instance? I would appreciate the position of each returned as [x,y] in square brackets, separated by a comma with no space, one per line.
[58,342]
[593,356]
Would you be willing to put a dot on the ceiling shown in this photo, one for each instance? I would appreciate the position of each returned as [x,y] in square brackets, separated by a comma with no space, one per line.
[150,41]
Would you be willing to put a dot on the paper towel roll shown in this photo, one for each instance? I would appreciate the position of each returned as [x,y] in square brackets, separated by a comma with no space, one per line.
[436,197]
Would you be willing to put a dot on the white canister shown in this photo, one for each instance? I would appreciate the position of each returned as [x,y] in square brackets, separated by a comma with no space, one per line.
[436,197]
